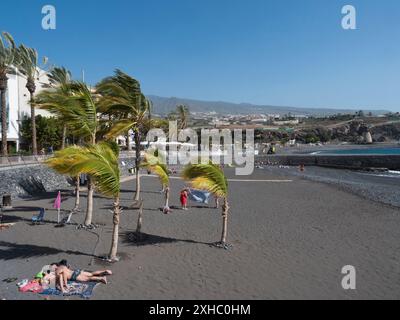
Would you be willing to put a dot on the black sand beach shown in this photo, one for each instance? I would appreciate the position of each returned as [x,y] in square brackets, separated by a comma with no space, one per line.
[290,241]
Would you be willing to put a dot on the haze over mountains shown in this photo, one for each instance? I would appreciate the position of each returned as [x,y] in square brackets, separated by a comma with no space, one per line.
[164,106]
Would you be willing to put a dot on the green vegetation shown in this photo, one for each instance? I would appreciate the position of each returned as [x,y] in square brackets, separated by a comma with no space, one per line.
[8,58]
[49,132]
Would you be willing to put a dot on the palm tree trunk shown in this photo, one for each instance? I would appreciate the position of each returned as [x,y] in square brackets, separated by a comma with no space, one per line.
[33,122]
[77,193]
[3,117]
[128,142]
[167,197]
[137,193]
[89,209]
[115,234]
[140,219]
[64,137]
[137,165]
[225,211]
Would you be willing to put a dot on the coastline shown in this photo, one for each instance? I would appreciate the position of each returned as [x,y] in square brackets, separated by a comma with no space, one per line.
[377,187]
[290,241]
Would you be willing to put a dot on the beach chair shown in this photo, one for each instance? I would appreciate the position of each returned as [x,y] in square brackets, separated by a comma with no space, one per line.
[39,218]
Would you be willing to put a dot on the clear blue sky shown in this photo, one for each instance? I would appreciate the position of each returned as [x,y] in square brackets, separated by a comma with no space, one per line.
[280,52]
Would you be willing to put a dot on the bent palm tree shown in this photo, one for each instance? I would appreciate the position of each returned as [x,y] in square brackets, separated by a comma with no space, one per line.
[210,177]
[60,77]
[156,166]
[28,66]
[79,110]
[53,100]
[122,98]
[8,57]
[101,163]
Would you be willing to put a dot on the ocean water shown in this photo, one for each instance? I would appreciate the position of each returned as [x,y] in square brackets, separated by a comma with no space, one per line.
[389,174]
[366,151]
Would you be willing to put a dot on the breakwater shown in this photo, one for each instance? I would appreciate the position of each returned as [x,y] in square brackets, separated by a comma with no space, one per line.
[355,162]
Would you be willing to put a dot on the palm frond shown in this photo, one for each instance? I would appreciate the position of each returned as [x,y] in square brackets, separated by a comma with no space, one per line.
[207,177]
[28,62]
[121,97]
[119,127]
[8,53]
[156,166]
[99,161]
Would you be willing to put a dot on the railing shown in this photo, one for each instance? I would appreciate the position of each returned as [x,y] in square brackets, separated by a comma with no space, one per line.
[22,160]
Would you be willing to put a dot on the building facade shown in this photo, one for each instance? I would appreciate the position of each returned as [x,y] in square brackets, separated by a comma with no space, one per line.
[18,106]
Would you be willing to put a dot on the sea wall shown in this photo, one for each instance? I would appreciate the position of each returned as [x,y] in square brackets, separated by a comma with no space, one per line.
[27,180]
[391,162]
[32,179]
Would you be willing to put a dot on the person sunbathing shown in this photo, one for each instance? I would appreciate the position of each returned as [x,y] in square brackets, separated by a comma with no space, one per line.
[65,274]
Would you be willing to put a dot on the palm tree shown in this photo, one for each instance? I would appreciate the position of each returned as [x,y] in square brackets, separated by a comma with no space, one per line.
[60,77]
[55,100]
[80,112]
[210,177]
[8,57]
[183,115]
[100,162]
[122,98]
[156,166]
[29,67]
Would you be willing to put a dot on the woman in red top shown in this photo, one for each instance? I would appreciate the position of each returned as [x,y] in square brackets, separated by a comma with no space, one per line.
[184,198]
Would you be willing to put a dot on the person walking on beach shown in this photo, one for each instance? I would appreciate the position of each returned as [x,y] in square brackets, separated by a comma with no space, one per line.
[184,198]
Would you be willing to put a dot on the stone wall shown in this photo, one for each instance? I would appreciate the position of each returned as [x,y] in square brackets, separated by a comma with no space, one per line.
[26,180]
[335,161]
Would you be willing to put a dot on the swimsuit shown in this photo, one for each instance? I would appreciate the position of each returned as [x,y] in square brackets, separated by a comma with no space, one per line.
[75,275]
[183,199]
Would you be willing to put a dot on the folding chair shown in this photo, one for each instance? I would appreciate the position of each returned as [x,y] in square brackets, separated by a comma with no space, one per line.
[39,218]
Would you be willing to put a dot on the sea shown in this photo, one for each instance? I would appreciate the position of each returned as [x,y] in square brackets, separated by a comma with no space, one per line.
[363,151]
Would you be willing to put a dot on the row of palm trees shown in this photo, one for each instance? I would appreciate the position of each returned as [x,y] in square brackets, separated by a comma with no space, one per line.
[24,60]
[98,115]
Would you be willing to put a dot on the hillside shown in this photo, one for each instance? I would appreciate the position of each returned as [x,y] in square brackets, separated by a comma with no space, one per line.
[165,105]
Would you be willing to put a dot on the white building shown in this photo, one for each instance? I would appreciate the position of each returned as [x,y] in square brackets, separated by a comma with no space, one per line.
[18,104]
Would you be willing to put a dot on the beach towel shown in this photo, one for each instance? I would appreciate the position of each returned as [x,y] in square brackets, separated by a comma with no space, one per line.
[31,286]
[199,196]
[84,290]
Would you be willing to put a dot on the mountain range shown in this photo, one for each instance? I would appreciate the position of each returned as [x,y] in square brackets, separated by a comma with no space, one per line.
[163,106]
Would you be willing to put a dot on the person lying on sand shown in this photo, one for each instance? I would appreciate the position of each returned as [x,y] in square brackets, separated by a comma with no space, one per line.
[64,274]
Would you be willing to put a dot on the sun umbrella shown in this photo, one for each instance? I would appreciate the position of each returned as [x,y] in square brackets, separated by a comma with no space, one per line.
[57,205]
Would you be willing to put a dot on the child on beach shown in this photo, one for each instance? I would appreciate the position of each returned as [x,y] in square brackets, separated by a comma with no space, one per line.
[184,198]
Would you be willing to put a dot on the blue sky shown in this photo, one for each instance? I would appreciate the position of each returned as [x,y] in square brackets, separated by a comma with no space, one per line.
[279,52]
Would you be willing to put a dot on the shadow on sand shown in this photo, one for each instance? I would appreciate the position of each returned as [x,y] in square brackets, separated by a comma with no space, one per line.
[144,239]
[25,251]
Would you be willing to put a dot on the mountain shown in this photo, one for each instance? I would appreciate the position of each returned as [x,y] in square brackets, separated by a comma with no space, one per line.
[164,106]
